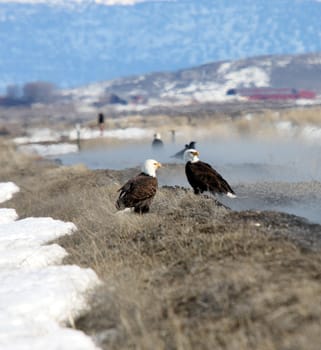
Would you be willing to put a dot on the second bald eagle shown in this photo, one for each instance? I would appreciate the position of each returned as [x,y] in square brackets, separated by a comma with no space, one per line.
[202,177]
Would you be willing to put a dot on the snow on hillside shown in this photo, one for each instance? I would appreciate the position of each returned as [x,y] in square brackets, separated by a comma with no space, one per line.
[206,83]
[174,92]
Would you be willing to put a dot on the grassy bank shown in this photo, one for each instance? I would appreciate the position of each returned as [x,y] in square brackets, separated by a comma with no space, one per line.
[192,274]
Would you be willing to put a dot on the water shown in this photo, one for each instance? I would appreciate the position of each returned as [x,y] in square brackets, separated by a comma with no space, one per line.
[240,161]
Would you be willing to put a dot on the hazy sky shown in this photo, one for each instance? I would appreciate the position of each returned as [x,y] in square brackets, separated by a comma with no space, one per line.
[76,42]
[102,2]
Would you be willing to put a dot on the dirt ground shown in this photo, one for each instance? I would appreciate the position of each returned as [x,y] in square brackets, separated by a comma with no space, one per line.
[191,274]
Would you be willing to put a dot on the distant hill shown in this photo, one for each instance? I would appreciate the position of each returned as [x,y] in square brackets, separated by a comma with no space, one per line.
[206,83]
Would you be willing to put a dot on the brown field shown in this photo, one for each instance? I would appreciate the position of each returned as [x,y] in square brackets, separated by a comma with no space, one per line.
[192,274]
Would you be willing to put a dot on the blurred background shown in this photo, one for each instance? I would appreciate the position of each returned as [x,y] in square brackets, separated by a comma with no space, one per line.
[95,82]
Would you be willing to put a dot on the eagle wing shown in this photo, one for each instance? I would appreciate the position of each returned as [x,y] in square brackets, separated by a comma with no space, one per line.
[137,192]
[205,178]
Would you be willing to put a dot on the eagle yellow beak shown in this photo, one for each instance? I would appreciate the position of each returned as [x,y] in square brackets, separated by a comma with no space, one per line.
[159,165]
[196,153]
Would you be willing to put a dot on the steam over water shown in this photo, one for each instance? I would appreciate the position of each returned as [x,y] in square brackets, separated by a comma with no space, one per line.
[243,160]
[278,174]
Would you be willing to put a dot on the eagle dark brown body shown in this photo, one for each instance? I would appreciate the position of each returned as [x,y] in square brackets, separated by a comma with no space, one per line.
[202,177]
[137,193]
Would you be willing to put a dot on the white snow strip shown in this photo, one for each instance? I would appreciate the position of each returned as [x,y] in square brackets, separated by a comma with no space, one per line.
[57,339]
[7,215]
[38,135]
[49,150]
[36,230]
[37,299]
[34,303]
[128,133]
[305,102]
[22,254]
[30,143]
[7,189]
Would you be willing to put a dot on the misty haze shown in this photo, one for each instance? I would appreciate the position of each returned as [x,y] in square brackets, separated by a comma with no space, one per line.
[241,160]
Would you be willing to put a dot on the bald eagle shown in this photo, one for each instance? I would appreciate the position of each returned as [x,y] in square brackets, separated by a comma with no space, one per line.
[139,191]
[157,142]
[202,177]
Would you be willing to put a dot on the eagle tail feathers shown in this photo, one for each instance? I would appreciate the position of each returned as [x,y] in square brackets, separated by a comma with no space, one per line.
[231,195]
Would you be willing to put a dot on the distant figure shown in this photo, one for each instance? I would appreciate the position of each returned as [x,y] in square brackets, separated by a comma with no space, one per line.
[203,178]
[157,143]
[101,123]
[78,129]
[138,192]
[180,154]
[173,135]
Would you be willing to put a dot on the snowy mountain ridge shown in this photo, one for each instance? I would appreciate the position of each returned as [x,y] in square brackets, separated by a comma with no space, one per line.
[209,82]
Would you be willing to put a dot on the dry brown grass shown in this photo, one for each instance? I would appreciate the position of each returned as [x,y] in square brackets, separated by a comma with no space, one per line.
[190,275]
[11,160]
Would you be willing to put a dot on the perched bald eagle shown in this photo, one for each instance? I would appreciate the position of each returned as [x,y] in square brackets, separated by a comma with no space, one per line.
[157,142]
[202,177]
[139,191]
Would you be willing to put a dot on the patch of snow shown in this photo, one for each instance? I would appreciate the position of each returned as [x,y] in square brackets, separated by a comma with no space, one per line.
[37,299]
[230,77]
[311,134]
[283,62]
[314,59]
[49,150]
[224,67]
[128,133]
[286,128]
[7,189]
[305,102]
[23,246]
[130,107]
[29,143]
[27,255]
[38,135]
[7,215]
[248,77]
[34,302]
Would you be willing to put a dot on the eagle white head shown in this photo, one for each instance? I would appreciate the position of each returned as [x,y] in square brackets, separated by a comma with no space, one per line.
[191,155]
[150,166]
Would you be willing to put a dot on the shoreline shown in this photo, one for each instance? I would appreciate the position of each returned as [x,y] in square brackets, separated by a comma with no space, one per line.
[190,270]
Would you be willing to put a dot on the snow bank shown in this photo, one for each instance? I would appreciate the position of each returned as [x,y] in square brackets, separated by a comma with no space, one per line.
[35,136]
[7,215]
[38,298]
[7,189]
[39,135]
[49,150]
[21,242]
[128,133]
